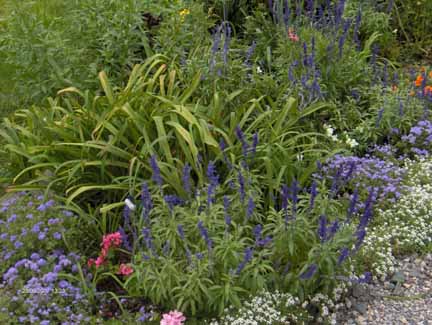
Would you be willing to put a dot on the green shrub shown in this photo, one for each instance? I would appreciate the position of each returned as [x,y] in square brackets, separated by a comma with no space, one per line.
[50,45]
[205,253]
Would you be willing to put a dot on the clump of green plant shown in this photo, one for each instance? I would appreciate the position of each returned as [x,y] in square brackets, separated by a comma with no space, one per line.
[411,21]
[47,46]
[205,252]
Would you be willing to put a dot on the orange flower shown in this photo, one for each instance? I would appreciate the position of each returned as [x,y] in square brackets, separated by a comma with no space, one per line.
[394,88]
[430,74]
[428,90]
[412,93]
[419,80]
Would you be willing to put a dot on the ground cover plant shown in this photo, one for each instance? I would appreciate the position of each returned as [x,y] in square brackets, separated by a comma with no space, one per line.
[207,162]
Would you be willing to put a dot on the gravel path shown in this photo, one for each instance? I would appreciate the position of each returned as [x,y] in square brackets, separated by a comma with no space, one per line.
[404,298]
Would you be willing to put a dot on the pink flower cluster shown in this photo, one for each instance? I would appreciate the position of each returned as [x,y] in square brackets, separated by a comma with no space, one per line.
[173,318]
[125,269]
[292,35]
[108,241]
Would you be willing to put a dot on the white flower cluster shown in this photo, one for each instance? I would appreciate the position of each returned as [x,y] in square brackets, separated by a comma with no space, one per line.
[407,225]
[265,308]
[331,134]
[283,308]
[351,142]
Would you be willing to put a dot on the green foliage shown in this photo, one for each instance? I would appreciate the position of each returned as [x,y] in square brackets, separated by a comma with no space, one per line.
[203,268]
[79,144]
[49,45]
[411,18]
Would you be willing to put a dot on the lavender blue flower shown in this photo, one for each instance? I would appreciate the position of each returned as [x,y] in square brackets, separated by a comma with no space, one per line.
[50,277]
[186,178]
[352,206]
[166,248]
[125,240]
[257,232]
[242,190]
[146,200]
[379,117]
[18,244]
[156,177]
[294,189]
[241,138]
[248,255]
[343,255]
[12,218]
[215,47]
[365,278]
[322,228]
[357,29]
[204,234]
[227,30]
[342,39]
[287,13]
[172,201]
[263,242]
[148,240]
[313,195]
[309,272]
[180,231]
[333,229]
[144,315]
[213,183]
[250,208]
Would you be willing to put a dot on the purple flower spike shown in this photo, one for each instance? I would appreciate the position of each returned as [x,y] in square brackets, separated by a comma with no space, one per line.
[257,232]
[343,255]
[309,273]
[242,186]
[241,137]
[250,207]
[213,183]
[156,177]
[172,201]
[186,178]
[248,255]
[314,193]
[180,231]
[204,234]
[322,228]
[146,201]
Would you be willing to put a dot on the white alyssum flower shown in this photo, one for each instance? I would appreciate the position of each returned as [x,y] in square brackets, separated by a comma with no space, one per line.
[130,205]
[407,222]
[352,143]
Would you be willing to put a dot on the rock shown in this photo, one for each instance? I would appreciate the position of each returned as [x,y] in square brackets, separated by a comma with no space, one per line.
[416,273]
[360,291]
[398,277]
[398,291]
[389,286]
[360,320]
[361,307]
